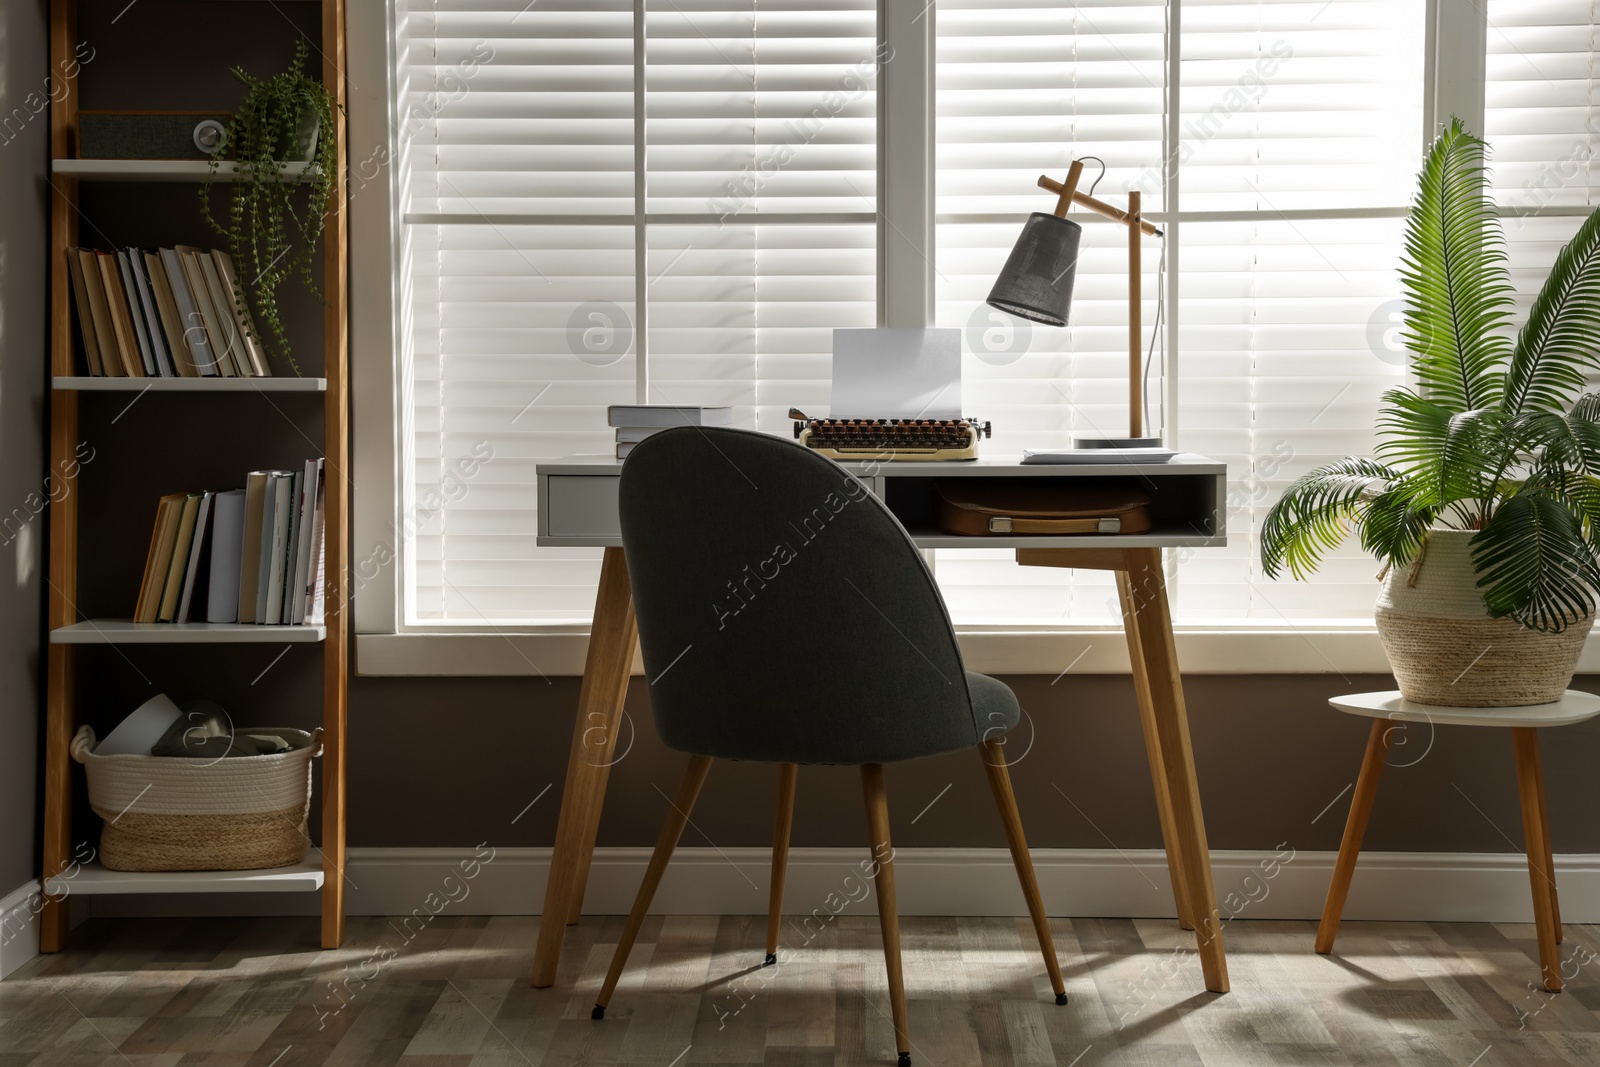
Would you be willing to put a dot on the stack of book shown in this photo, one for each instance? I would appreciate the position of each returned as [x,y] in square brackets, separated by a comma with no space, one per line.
[635,422]
[243,555]
[167,313]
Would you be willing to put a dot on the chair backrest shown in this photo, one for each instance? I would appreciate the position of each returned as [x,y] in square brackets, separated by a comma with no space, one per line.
[784,613]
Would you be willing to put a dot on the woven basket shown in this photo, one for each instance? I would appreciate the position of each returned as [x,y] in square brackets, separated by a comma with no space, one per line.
[170,813]
[1446,650]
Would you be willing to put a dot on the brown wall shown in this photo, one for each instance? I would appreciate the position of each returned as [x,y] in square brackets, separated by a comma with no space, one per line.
[24,230]
[441,762]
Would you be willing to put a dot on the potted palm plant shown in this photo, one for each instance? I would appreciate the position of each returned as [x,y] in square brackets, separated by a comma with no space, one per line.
[1483,497]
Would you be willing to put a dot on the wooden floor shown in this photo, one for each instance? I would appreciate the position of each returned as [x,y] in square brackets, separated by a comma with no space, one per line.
[455,992]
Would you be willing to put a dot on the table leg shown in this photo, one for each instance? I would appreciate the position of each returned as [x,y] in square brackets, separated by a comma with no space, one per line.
[1525,742]
[1148,611]
[612,639]
[1152,746]
[1355,828]
[1549,856]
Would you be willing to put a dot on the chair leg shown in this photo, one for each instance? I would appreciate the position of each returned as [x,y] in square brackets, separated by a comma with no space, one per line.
[787,774]
[877,799]
[694,777]
[994,764]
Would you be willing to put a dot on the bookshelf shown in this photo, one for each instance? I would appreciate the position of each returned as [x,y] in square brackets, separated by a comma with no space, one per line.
[155,170]
[71,404]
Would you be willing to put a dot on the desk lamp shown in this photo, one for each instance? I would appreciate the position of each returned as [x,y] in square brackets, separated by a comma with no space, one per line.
[1036,284]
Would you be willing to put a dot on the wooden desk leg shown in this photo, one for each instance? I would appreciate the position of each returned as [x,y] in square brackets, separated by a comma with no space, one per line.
[1355,828]
[1152,746]
[1530,784]
[1148,611]
[612,639]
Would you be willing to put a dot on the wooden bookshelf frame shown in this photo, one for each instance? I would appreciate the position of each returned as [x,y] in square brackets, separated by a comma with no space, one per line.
[61,659]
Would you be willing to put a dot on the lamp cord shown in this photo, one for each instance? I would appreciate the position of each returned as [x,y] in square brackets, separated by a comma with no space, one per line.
[1155,331]
[1097,178]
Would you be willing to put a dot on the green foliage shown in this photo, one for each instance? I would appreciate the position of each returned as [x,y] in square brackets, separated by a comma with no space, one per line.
[1495,438]
[274,221]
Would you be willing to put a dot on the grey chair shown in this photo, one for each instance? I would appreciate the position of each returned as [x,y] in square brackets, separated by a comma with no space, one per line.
[785,616]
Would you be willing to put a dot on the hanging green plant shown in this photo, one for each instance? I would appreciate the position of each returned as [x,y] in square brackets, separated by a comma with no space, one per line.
[275,218]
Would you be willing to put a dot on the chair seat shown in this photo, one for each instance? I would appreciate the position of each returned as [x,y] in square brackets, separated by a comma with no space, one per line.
[994,706]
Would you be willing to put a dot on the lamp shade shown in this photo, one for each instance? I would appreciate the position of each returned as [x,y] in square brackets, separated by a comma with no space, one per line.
[1036,282]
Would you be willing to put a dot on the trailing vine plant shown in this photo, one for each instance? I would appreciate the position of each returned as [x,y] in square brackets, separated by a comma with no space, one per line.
[275,219]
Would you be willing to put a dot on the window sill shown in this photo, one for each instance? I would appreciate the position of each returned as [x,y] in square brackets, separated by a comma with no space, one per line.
[1316,648]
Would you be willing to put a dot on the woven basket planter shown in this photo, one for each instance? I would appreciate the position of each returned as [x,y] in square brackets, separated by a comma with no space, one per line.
[1446,650]
[167,813]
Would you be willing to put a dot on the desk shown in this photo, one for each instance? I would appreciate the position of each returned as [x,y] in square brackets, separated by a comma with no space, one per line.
[578,508]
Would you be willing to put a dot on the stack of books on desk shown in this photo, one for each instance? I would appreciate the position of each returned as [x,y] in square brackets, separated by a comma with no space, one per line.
[635,422]
[243,555]
[163,313]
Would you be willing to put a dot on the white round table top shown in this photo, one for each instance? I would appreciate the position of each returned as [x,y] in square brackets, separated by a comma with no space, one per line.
[1572,707]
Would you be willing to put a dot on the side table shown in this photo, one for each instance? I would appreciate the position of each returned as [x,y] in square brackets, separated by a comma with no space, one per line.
[1387,709]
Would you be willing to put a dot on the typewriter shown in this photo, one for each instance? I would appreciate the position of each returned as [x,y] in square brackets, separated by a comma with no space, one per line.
[892,439]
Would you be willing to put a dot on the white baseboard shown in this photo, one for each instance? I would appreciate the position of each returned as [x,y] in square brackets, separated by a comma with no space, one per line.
[19,927]
[1410,886]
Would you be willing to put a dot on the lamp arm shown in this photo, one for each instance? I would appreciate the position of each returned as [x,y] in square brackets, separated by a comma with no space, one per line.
[1099,207]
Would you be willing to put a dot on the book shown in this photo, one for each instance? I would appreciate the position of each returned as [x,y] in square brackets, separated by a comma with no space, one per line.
[195,575]
[152,320]
[250,552]
[171,320]
[178,566]
[249,338]
[635,434]
[227,546]
[100,312]
[227,325]
[141,335]
[624,447]
[316,598]
[1031,456]
[278,556]
[291,547]
[664,415]
[196,281]
[159,558]
[80,301]
[194,330]
[121,323]
[314,473]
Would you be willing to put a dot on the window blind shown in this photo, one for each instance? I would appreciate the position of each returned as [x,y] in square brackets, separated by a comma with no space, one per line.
[543,287]
[1300,137]
[1541,118]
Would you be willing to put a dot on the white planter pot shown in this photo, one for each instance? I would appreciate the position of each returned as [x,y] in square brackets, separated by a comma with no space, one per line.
[1446,650]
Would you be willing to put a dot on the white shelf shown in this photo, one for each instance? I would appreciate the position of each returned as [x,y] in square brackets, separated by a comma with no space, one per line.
[157,170]
[123,632]
[96,384]
[92,879]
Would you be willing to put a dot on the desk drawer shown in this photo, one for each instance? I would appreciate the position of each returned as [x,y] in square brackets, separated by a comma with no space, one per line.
[582,506]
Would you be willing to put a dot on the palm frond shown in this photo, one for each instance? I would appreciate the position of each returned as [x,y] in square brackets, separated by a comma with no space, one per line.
[1315,512]
[1396,520]
[1561,341]
[1458,292]
[1533,562]
[1451,454]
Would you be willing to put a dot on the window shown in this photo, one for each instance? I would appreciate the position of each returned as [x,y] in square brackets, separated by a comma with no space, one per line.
[589,224]
[679,209]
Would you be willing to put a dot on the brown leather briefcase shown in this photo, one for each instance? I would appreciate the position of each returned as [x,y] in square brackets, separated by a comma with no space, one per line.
[983,507]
